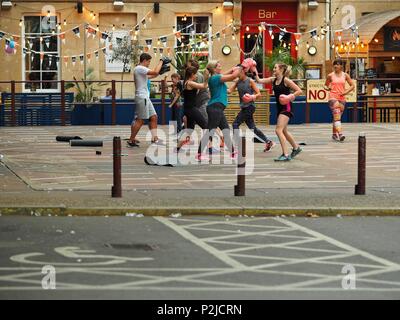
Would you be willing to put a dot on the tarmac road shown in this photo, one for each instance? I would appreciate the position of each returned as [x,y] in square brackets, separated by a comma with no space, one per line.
[200,257]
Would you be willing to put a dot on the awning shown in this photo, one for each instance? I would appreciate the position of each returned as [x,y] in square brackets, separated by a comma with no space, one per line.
[370,24]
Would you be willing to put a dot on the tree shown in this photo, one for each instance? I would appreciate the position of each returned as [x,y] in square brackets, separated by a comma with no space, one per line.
[126,51]
[282,55]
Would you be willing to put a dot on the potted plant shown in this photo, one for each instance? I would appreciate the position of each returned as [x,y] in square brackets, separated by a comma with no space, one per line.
[83,110]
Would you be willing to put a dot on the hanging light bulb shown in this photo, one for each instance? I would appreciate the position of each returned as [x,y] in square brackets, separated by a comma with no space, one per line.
[20,22]
[150,19]
[113,27]
[65,22]
[270,31]
[48,13]
[233,37]
[362,45]
[333,46]
[297,48]
[247,28]
[358,40]
[307,45]
[248,36]
[272,37]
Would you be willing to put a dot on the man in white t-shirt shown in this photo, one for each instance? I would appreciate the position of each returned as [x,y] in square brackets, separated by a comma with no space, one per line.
[144,107]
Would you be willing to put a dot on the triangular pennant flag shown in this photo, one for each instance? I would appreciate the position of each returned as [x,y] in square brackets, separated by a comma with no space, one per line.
[104,51]
[24,51]
[218,36]
[155,50]
[144,23]
[104,37]
[146,49]
[168,51]
[81,58]
[297,37]
[149,42]
[41,57]
[1,35]
[88,56]
[178,35]
[30,44]
[338,34]
[77,32]
[313,33]
[119,40]
[164,41]
[62,37]
[57,60]
[47,42]
[96,54]
[161,51]
[66,60]
[270,30]
[73,60]
[281,35]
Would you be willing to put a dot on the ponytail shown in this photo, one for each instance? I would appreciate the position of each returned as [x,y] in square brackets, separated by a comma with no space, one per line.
[211,67]
[287,70]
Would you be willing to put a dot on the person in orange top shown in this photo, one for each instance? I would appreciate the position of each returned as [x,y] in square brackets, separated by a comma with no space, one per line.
[335,84]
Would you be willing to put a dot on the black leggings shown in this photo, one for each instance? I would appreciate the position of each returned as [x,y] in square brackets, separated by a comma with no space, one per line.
[246,115]
[216,119]
[193,116]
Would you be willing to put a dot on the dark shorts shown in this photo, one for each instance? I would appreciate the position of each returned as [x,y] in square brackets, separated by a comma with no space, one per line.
[285,110]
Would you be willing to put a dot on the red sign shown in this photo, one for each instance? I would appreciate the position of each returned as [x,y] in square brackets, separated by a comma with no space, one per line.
[284,14]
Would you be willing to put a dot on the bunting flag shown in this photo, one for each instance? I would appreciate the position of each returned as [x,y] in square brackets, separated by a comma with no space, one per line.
[77,32]
[30,44]
[281,35]
[338,34]
[73,60]
[24,51]
[47,42]
[104,51]
[66,60]
[297,37]
[313,33]
[62,37]
[119,40]
[271,31]
[161,51]
[104,37]
[148,43]
[168,50]
[155,50]
[178,35]
[41,57]
[144,23]
[2,34]
[96,54]
[88,56]
[57,60]
[218,36]
[164,41]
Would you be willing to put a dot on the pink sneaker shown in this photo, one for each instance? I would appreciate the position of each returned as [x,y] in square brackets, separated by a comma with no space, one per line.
[202,157]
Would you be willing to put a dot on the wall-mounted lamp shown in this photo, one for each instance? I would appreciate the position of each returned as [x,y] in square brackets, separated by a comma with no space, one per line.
[228,5]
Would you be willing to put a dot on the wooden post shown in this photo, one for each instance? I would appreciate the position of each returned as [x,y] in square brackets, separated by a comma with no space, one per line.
[113,104]
[63,102]
[116,190]
[360,187]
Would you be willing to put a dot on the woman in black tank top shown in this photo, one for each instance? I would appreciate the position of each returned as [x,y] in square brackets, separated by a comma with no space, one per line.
[282,87]
[193,114]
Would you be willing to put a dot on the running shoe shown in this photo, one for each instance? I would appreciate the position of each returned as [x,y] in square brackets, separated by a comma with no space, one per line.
[158,142]
[283,158]
[202,157]
[269,145]
[131,144]
[213,150]
[295,152]
[341,138]
[335,137]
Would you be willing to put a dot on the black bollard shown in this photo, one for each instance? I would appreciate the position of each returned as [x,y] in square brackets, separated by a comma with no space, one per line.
[360,186]
[240,188]
[116,190]
[86,143]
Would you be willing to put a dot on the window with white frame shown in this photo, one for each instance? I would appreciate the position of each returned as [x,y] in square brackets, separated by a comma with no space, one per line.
[195,30]
[39,34]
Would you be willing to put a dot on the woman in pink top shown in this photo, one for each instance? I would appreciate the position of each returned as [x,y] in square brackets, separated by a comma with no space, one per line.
[335,84]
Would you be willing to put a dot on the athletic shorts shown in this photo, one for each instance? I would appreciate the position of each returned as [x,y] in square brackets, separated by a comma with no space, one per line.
[144,108]
[286,110]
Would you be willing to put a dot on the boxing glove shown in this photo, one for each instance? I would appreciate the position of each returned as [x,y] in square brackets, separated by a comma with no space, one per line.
[165,68]
[248,63]
[166,60]
[248,98]
[285,99]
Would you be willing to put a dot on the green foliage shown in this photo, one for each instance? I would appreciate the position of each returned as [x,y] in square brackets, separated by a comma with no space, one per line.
[282,55]
[181,58]
[85,91]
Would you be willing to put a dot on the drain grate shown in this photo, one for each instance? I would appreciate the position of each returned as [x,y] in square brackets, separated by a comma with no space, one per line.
[131,246]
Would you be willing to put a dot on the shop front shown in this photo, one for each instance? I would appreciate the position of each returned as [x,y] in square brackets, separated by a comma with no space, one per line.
[275,16]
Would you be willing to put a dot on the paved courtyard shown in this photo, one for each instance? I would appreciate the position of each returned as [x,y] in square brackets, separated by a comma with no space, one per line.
[33,154]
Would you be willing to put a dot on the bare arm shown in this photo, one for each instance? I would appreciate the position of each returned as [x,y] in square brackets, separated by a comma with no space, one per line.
[328,82]
[195,85]
[351,83]
[156,70]
[175,100]
[264,80]
[256,90]
[232,76]
[290,83]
